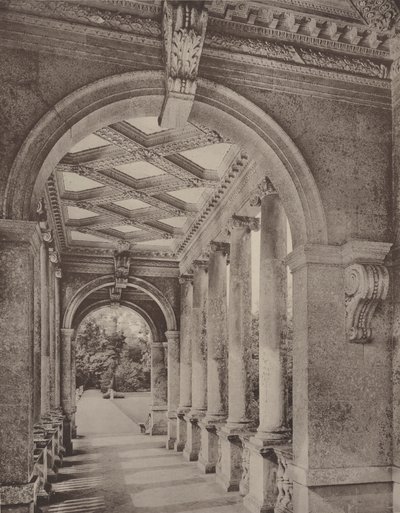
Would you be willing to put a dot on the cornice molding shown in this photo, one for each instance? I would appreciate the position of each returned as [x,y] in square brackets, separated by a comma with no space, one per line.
[287,46]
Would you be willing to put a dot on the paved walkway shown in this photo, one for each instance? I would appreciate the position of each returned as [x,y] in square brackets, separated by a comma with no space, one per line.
[115,469]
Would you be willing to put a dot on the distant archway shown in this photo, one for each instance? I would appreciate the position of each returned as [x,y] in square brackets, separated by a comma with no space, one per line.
[72,309]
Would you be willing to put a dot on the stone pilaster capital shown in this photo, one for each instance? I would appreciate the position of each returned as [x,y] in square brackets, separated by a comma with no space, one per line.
[365,252]
[355,251]
[223,247]
[67,332]
[265,188]
[172,335]
[250,223]
[185,278]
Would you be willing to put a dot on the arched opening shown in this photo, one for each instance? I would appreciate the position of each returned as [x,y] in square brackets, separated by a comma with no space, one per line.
[264,162]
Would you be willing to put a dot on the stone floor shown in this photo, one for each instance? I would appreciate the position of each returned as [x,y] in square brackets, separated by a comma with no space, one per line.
[115,469]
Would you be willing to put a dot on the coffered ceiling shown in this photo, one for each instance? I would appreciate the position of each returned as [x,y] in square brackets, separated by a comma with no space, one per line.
[136,183]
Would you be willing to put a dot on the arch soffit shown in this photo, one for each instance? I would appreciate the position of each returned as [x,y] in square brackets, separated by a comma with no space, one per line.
[81,314]
[107,281]
[129,95]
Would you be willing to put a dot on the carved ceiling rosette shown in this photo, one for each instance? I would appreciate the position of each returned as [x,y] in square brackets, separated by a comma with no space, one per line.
[380,15]
[184,29]
[366,285]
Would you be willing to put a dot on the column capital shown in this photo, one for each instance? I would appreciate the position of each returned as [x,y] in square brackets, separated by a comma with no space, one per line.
[172,335]
[265,188]
[223,247]
[186,278]
[67,332]
[251,223]
[200,264]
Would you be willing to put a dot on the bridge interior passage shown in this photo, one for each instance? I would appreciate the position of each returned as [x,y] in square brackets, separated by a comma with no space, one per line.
[228,171]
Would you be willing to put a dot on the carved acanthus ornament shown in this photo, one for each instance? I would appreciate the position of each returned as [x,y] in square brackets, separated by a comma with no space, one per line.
[366,285]
[41,213]
[184,28]
[265,188]
[122,263]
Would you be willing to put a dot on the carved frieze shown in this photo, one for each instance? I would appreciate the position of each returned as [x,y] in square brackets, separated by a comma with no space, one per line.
[299,55]
[184,28]
[366,285]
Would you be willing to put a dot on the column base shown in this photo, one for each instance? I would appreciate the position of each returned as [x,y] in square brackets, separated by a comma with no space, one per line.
[208,456]
[180,441]
[229,465]
[193,438]
[19,498]
[158,420]
[262,470]
[171,430]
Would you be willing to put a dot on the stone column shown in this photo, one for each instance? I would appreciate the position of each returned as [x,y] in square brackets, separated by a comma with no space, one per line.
[173,384]
[66,386]
[73,386]
[52,331]
[57,306]
[342,362]
[217,335]
[272,322]
[199,361]
[185,392]
[19,241]
[158,424]
[239,327]
[45,338]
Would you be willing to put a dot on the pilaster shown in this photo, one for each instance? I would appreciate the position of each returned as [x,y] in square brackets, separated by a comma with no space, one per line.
[173,385]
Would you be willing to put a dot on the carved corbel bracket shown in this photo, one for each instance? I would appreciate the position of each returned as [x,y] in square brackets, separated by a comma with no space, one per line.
[366,285]
[184,29]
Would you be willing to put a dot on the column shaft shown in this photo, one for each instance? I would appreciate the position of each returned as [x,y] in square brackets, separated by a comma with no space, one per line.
[272,320]
[199,341]
[66,387]
[185,395]
[45,340]
[52,352]
[158,390]
[239,322]
[57,307]
[173,384]
[217,333]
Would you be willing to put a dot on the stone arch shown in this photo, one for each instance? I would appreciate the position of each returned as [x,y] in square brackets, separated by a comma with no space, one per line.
[108,281]
[141,94]
[81,314]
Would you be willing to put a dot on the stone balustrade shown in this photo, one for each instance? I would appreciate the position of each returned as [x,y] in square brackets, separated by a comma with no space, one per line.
[48,452]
